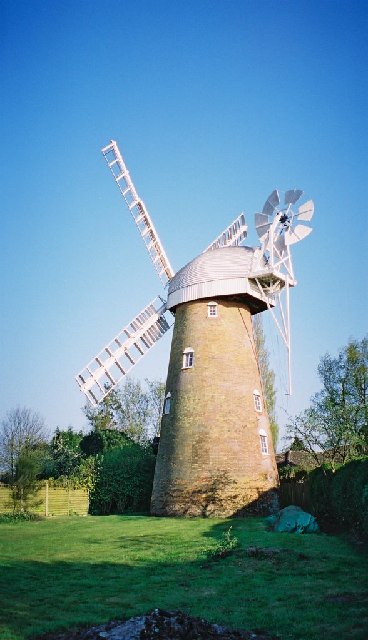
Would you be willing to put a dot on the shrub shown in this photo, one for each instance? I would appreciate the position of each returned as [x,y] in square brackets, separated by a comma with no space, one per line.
[20,516]
[342,495]
[349,494]
[293,473]
[320,481]
[91,444]
[123,481]
[101,440]
[224,547]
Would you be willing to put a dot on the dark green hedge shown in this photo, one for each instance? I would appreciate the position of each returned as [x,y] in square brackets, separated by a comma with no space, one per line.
[123,481]
[101,440]
[341,495]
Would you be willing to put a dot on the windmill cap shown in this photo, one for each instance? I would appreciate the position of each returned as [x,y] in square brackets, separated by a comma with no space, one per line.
[218,272]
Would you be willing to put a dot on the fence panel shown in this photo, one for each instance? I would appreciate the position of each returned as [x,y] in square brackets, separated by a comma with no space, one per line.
[51,501]
[295,493]
[78,502]
[6,503]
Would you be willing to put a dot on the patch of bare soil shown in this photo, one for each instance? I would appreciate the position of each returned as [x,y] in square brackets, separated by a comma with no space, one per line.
[160,625]
[273,553]
[347,597]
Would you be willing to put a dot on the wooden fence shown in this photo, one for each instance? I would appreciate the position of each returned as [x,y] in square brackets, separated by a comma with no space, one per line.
[60,501]
[295,493]
[51,501]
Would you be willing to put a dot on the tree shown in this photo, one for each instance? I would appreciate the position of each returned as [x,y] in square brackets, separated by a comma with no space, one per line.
[24,483]
[267,375]
[102,416]
[297,445]
[124,466]
[22,429]
[131,408]
[156,397]
[335,426]
[66,452]
[102,440]
[134,412]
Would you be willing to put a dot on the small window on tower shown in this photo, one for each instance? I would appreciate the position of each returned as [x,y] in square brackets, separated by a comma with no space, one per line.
[188,358]
[263,440]
[264,445]
[212,310]
[167,404]
[257,401]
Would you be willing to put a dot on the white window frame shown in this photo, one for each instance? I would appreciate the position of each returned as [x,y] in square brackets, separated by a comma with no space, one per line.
[263,442]
[188,358]
[167,404]
[212,309]
[257,401]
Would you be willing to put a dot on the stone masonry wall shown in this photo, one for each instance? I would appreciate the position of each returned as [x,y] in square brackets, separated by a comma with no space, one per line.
[210,460]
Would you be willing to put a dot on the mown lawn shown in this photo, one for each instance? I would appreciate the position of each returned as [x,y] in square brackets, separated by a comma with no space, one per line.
[70,571]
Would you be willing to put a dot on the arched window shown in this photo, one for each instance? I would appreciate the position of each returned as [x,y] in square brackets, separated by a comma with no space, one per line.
[167,404]
[263,441]
[257,400]
[212,309]
[188,358]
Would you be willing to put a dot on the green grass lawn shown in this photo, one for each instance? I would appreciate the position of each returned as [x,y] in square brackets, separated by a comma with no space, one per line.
[77,571]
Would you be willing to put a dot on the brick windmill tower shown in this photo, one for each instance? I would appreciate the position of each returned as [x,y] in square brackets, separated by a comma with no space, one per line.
[215,454]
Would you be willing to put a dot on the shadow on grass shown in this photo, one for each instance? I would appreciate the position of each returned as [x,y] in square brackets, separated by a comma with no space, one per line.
[282,594]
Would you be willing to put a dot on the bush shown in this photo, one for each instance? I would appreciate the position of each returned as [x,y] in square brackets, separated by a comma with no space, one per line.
[20,516]
[123,481]
[320,481]
[101,440]
[349,494]
[224,547]
[342,495]
[293,473]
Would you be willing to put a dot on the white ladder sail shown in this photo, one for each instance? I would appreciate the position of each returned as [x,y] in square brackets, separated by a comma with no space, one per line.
[115,360]
[232,236]
[138,210]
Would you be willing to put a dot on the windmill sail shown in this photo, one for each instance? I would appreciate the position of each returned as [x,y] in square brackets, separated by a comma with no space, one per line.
[232,236]
[306,211]
[293,195]
[138,210]
[115,360]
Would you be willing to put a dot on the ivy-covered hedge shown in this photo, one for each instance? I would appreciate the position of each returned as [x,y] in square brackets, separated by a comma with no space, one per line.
[342,494]
[123,481]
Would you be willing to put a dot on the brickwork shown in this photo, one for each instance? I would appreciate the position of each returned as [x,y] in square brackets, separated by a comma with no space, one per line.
[210,460]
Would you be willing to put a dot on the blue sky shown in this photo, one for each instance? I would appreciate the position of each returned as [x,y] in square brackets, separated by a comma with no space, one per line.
[213,104]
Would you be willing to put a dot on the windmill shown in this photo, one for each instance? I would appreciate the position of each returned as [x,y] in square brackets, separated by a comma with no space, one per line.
[215,455]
